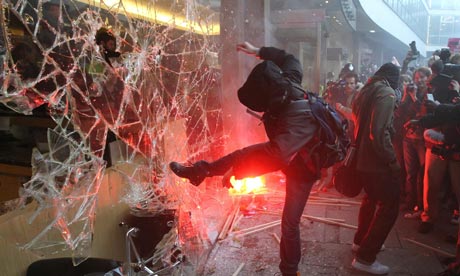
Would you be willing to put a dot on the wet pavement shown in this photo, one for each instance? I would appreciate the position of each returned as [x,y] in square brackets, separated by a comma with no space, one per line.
[326,248]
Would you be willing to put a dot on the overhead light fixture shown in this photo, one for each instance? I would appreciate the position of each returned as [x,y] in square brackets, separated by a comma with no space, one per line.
[111,3]
[161,15]
[372,31]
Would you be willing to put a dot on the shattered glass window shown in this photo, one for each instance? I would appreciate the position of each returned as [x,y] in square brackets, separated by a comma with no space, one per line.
[153,93]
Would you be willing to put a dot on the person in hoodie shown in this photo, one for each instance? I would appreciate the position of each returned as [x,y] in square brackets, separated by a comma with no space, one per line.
[377,167]
[289,128]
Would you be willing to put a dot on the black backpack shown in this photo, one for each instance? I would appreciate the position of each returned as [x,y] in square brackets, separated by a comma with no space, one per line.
[265,89]
[331,141]
[334,139]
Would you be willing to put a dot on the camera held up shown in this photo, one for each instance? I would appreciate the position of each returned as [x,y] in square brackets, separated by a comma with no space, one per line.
[414,51]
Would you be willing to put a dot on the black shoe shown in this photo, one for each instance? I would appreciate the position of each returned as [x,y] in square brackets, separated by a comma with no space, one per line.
[425,227]
[195,173]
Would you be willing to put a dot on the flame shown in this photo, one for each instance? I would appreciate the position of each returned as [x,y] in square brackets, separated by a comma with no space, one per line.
[254,185]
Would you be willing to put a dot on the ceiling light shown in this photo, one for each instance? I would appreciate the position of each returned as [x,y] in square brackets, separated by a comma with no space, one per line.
[372,31]
[161,15]
[111,3]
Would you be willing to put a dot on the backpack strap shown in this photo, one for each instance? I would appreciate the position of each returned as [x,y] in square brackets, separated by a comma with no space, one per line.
[365,111]
[301,92]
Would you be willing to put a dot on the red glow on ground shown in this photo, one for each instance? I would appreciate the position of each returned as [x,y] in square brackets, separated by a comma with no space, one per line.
[247,186]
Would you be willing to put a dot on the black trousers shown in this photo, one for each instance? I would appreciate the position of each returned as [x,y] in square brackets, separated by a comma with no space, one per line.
[299,182]
[378,213]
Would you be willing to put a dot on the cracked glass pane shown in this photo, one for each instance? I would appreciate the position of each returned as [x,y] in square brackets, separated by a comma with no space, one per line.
[141,76]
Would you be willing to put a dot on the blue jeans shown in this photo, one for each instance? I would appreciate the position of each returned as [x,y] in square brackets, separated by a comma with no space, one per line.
[299,182]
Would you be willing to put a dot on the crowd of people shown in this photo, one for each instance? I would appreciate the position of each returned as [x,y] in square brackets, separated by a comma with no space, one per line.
[425,137]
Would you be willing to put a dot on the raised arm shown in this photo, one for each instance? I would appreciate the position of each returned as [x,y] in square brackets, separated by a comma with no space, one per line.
[289,64]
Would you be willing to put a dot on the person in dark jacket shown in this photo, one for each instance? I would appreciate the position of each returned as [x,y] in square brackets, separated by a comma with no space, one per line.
[377,166]
[288,129]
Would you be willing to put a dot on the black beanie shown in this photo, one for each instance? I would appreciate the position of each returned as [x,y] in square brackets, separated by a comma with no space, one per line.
[390,72]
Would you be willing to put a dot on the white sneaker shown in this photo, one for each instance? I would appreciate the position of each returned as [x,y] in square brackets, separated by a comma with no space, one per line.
[413,215]
[355,247]
[375,268]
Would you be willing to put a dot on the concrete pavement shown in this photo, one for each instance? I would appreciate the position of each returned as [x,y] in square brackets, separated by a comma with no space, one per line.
[326,248]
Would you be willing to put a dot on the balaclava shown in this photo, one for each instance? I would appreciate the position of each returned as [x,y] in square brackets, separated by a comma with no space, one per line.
[390,72]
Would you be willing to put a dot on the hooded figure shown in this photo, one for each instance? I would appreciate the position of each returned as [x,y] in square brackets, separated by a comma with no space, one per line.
[289,128]
[376,166]
[390,72]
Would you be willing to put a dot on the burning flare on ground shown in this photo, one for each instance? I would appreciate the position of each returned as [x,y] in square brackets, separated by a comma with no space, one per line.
[254,185]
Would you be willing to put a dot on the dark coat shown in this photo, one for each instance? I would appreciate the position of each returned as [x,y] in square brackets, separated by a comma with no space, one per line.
[288,130]
[375,150]
[446,116]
